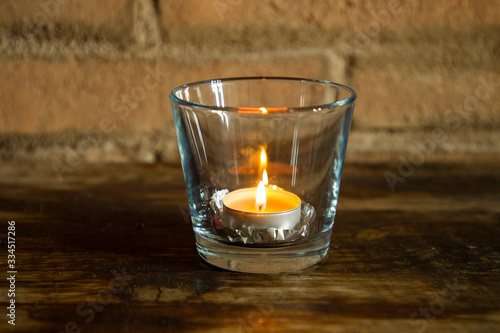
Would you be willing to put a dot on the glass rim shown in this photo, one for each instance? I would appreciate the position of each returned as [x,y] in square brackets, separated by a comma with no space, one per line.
[346,101]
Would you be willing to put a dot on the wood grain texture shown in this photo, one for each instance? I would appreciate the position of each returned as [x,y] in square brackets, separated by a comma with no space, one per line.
[425,258]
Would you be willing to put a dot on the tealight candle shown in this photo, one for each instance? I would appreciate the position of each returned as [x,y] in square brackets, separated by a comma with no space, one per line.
[261,207]
[280,210]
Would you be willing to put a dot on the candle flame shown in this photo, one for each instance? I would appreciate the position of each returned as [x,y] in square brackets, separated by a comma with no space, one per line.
[264,178]
[260,199]
[263,110]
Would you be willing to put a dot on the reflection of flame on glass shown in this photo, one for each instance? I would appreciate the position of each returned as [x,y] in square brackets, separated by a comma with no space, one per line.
[263,158]
[260,199]
[263,165]
[260,110]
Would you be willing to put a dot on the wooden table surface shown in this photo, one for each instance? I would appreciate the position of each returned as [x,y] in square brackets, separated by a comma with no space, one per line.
[108,249]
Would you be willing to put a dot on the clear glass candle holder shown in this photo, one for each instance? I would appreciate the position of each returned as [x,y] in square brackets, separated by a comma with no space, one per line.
[262,161]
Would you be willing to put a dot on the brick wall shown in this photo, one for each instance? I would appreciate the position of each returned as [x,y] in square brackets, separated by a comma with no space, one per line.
[88,80]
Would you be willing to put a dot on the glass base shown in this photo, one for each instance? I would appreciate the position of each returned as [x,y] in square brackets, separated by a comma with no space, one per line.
[263,260]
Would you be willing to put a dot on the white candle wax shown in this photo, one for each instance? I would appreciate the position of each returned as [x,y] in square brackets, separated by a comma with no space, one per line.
[282,209]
